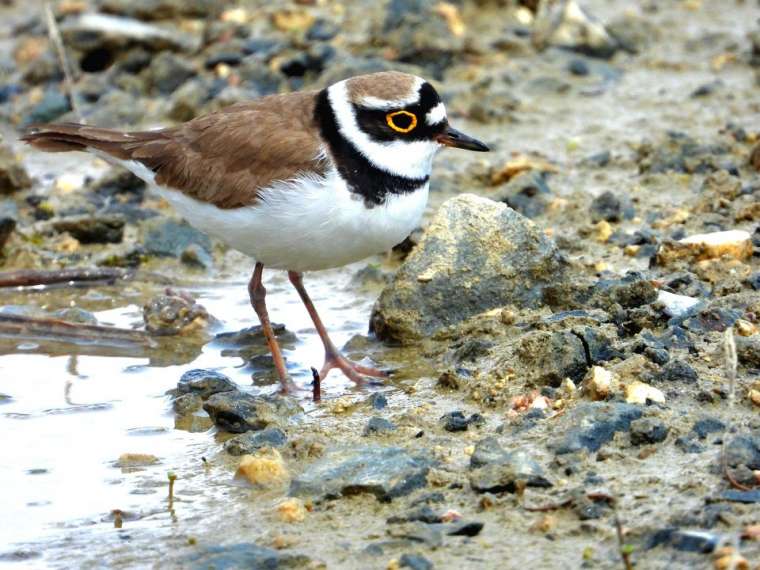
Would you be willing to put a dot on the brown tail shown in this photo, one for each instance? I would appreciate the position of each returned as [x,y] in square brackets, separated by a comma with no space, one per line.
[65,137]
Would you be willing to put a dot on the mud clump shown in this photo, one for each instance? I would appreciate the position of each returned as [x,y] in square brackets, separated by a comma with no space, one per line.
[475,255]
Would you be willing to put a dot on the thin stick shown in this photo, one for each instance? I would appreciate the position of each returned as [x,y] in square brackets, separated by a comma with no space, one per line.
[18,326]
[55,38]
[729,351]
[623,548]
[32,277]
[316,385]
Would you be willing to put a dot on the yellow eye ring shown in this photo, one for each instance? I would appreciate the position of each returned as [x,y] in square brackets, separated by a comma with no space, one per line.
[390,116]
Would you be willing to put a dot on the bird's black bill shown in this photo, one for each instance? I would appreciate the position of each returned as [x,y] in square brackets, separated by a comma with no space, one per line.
[456,139]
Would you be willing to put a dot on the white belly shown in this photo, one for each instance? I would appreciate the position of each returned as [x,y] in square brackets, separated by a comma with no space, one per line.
[306,225]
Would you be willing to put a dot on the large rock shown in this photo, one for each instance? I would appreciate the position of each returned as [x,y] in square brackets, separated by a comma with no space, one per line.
[590,425]
[386,472]
[476,255]
[239,412]
[244,555]
[497,470]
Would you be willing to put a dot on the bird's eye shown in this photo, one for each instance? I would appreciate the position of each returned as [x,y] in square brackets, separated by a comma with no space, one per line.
[401,121]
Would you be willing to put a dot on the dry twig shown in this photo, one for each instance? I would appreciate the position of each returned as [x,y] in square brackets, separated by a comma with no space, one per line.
[68,75]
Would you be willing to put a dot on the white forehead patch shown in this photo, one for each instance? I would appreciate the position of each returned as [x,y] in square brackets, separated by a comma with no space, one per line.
[413,97]
[436,115]
[409,159]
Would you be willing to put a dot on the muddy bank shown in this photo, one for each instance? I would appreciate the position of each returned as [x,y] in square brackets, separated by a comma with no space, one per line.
[558,341]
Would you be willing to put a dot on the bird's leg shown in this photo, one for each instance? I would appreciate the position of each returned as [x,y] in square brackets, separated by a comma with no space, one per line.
[258,294]
[333,357]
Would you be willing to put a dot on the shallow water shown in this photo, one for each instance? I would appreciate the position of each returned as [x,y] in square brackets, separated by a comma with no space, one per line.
[69,418]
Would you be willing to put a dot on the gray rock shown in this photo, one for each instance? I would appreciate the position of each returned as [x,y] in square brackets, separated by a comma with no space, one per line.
[527,193]
[169,238]
[592,424]
[205,383]
[611,207]
[385,472]
[92,229]
[549,358]
[53,105]
[13,176]
[426,534]
[168,71]
[748,350]
[647,431]
[678,371]
[250,442]
[744,450]
[415,562]
[475,255]
[377,425]
[497,470]
[457,421]
[705,426]
[90,31]
[238,412]
[419,34]
[187,404]
[245,555]
[684,540]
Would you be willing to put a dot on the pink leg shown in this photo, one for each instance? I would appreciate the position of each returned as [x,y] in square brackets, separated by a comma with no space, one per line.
[258,294]
[333,357]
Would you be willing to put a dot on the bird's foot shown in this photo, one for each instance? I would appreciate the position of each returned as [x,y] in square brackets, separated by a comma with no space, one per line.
[353,371]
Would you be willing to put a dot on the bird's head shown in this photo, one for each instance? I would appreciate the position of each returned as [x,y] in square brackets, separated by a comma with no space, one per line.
[395,120]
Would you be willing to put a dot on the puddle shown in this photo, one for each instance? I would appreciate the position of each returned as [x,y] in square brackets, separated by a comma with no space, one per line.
[69,418]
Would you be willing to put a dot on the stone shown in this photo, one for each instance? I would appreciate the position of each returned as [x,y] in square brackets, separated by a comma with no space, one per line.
[610,207]
[638,392]
[92,229]
[238,412]
[676,305]
[457,421]
[590,425]
[598,383]
[53,105]
[744,450]
[377,425]
[264,469]
[527,193]
[736,244]
[748,350]
[569,26]
[678,371]
[168,72]
[419,33]
[245,555]
[415,562]
[174,314]
[13,176]
[549,358]
[385,472]
[378,401]
[186,404]
[496,470]
[646,431]
[249,442]
[205,383]
[705,426]
[684,540]
[476,255]
[170,238]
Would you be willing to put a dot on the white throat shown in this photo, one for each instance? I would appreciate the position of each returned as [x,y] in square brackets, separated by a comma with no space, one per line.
[413,159]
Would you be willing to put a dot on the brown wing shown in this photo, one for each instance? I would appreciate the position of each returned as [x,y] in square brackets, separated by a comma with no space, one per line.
[223,158]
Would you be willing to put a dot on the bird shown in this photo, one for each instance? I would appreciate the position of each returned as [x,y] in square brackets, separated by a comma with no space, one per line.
[300,181]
